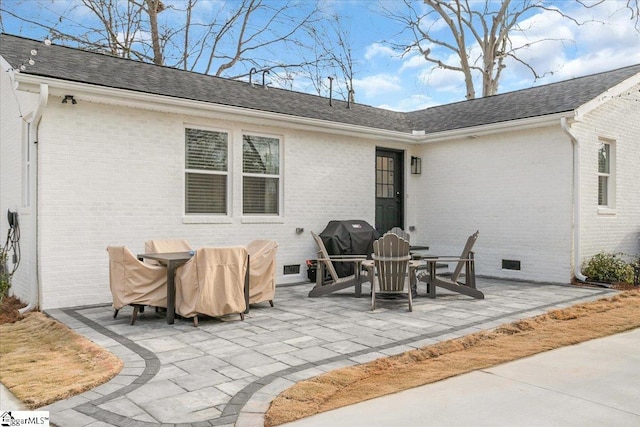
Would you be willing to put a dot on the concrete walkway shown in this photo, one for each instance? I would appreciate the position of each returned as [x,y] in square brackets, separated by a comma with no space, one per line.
[595,383]
[226,372]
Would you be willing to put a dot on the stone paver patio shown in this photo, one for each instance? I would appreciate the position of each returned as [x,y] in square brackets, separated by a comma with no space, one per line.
[226,372]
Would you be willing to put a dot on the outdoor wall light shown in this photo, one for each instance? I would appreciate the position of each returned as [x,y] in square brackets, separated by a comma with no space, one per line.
[68,98]
[416,165]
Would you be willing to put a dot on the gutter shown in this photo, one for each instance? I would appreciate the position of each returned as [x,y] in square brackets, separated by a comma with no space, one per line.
[169,104]
[492,128]
[576,199]
[32,138]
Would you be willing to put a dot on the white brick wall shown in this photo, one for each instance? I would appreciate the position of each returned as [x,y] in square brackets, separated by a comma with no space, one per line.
[12,106]
[619,230]
[119,179]
[514,188]
[115,175]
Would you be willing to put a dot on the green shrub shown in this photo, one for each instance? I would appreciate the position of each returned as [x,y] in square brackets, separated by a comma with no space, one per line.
[608,268]
[5,278]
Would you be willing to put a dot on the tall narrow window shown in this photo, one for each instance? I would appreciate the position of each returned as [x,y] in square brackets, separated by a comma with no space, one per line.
[206,171]
[260,175]
[604,174]
[26,165]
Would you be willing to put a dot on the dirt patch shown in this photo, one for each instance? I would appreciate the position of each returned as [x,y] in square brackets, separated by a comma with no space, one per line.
[43,361]
[481,350]
[10,310]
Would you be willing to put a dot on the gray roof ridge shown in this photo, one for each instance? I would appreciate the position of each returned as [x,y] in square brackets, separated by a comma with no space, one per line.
[75,64]
[104,69]
[176,69]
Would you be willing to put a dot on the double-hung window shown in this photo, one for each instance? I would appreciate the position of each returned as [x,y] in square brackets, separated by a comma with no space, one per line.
[206,172]
[605,174]
[261,175]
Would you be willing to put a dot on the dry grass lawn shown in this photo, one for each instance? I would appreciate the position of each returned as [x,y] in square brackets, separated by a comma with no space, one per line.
[43,361]
[552,330]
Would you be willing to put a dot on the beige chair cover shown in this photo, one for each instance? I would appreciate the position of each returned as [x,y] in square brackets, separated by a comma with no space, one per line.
[134,282]
[167,245]
[212,282]
[262,271]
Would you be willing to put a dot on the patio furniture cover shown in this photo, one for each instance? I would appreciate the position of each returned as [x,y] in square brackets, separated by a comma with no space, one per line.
[134,282]
[212,282]
[166,245]
[262,271]
[351,237]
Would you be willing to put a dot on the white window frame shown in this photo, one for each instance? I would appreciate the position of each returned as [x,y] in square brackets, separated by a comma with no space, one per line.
[209,217]
[609,206]
[267,217]
[27,164]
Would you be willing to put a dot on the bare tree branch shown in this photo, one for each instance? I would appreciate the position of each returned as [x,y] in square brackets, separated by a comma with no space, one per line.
[228,40]
[479,35]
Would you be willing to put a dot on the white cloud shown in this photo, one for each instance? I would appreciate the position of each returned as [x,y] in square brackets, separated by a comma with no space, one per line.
[377,49]
[412,62]
[410,103]
[606,40]
[376,85]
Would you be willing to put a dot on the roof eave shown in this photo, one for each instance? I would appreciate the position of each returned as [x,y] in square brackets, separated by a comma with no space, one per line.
[494,128]
[169,104]
[606,96]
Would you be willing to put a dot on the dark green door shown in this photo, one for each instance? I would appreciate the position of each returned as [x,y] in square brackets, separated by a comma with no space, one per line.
[389,190]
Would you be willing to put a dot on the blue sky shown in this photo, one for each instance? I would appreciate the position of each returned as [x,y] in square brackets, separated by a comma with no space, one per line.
[410,83]
[385,79]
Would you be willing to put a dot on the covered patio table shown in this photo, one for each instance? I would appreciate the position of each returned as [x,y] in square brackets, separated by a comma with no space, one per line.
[172,260]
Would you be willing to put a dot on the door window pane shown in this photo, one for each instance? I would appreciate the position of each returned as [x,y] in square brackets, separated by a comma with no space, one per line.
[385,170]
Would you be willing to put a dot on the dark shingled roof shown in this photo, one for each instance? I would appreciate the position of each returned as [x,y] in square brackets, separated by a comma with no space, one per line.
[537,101]
[77,65]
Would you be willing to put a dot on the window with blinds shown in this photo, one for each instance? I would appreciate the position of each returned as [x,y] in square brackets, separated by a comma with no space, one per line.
[206,171]
[260,175]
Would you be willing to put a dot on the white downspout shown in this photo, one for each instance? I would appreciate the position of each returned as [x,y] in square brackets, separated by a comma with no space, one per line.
[32,138]
[576,200]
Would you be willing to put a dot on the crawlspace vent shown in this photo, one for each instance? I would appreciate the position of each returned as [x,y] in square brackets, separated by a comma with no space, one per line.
[510,264]
[292,269]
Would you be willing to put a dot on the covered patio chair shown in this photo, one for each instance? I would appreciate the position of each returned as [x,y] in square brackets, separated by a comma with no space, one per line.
[157,246]
[262,270]
[214,283]
[391,271]
[465,260]
[135,283]
[325,261]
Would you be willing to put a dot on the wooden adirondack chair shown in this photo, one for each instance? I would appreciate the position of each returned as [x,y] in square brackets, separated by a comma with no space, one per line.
[400,232]
[392,269]
[465,260]
[336,283]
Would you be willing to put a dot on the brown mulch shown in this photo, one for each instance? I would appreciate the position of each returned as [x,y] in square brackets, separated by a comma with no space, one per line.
[9,310]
